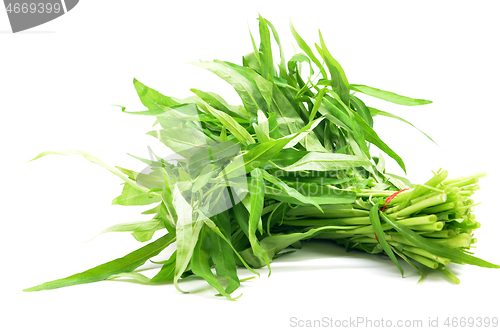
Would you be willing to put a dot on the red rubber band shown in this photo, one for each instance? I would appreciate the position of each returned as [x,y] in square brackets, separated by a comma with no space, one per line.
[392,196]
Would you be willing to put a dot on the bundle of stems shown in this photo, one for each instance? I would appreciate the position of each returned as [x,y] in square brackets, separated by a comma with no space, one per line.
[246,183]
[438,213]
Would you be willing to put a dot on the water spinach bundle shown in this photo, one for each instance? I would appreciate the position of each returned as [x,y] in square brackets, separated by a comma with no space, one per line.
[247,183]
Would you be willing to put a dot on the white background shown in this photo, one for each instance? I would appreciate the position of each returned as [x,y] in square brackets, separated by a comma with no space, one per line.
[58,83]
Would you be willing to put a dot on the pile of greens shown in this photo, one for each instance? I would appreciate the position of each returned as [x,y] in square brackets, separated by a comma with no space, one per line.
[248,183]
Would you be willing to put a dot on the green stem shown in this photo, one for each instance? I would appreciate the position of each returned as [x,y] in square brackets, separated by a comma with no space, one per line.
[437,226]
[448,274]
[412,209]
[426,254]
[421,190]
[423,260]
[459,179]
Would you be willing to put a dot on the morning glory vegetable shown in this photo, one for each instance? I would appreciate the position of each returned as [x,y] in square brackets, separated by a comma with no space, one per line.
[248,183]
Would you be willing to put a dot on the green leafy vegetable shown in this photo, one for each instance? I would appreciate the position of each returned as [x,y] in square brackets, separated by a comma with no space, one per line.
[292,163]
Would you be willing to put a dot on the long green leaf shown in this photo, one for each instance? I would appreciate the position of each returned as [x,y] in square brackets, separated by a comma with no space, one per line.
[362,110]
[262,153]
[222,252]
[372,137]
[374,112]
[317,104]
[326,162]
[166,274]
[127,263]
[339,79]
[244,85]
[274,131]
[214,228]
[266,53]
[318,194]
[389,96]
[187,231]
[262,127]
[230,124]
[302,44]
[225,265]
[152,99]
[95,160]
[264,86]
[287,117]
[282,54]
[290,191]
[345,118]
[257,192]
[140,226]
[200,262]
[132,196]
[153,112]
[299,57]
[218,102]
[377,227]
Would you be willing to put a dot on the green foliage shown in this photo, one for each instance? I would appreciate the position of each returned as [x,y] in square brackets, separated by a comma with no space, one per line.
[292,163]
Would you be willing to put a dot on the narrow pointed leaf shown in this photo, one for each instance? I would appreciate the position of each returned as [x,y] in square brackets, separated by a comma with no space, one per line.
[187,231]
[257,192]
[389,96]
[95,160]
[244,85]
[374,112]
[132,196]
[290,191]
[302,44]
[338,77]
[127,263]
[327,162]
[372,137]
[218,102]
[362,110]
[262,153]
[377,227]
[230,124]
[266,53]
[200,262]
[152,99]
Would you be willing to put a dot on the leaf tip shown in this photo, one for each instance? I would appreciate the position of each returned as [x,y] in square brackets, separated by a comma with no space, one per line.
[35,288]
[38,156]
[122,107]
